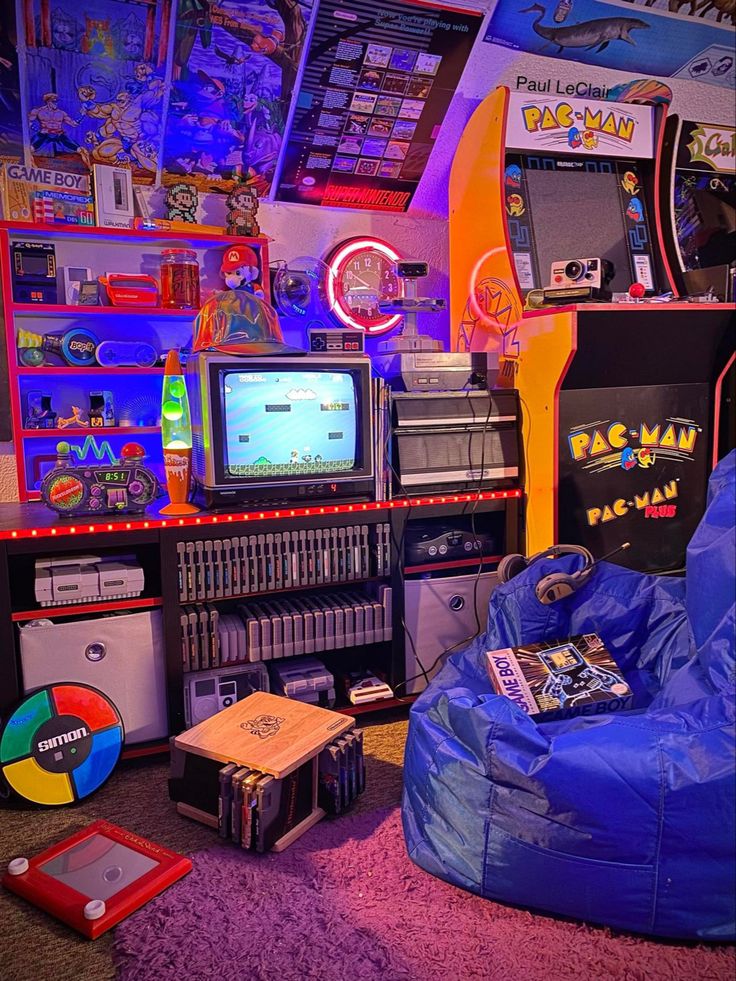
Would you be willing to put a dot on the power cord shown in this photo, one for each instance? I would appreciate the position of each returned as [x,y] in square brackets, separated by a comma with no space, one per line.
[425,672]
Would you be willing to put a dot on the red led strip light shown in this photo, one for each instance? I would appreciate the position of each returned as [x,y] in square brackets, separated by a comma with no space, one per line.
[205,520]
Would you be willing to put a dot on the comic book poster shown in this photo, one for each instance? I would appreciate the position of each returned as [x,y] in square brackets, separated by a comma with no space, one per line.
[234,69]
[377,83]
[665,38]
[11,131]
[94,83]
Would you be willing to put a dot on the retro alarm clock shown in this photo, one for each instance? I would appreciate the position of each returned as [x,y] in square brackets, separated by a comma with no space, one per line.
[361,273]
[126,487]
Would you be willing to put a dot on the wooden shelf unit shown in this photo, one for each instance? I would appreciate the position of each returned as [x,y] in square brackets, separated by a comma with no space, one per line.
[31,530]
[102,250]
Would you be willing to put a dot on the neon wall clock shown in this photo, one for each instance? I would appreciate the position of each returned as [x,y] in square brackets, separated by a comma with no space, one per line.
[361,272]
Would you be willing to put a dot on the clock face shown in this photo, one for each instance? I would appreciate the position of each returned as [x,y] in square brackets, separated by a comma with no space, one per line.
[362,272]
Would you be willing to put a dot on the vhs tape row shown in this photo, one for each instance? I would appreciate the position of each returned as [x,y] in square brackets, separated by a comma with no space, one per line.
[275,628]
[238,566]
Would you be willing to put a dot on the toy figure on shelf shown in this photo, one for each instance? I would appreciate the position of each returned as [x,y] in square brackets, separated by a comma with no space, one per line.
[125,487]
[40,413]
[242,211]
[78,419]
[240,270]
[182,201]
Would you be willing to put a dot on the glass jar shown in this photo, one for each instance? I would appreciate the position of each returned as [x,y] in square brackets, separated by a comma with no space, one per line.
[180,279]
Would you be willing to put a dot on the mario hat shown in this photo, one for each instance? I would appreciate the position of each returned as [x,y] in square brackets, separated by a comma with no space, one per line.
[237,256]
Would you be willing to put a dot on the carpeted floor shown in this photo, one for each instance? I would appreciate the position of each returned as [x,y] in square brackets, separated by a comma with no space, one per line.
[347,885]
[34,947]
[345,902]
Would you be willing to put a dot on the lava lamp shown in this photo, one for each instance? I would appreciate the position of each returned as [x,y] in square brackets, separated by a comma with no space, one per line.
[176,434]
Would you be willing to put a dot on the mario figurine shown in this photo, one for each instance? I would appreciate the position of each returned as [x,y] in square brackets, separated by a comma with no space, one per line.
[240,269]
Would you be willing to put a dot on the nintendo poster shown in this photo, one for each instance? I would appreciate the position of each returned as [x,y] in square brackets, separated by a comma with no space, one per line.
[234,68]
[691,39]
[94,83]
[11,131]
[377,83]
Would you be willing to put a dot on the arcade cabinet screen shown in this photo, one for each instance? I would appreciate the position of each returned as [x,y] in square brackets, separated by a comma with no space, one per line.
[705,217]
[577,215]
[281,424]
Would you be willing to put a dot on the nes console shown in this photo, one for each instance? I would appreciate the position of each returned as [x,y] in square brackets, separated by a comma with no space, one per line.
[436,371]
[86,579]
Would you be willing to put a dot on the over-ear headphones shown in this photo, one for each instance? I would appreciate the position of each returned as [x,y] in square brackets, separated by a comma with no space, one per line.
[557,585]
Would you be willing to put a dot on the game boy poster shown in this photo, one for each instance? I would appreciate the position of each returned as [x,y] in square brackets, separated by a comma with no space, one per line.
[633,467]
[378,80]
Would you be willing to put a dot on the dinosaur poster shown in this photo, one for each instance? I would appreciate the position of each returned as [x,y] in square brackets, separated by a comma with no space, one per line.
[665,38]
[233,72]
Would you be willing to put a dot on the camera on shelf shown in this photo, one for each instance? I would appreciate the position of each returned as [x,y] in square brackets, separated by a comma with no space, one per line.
[582,272]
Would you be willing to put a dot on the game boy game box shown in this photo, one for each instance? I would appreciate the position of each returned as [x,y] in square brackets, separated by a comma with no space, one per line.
[560,678]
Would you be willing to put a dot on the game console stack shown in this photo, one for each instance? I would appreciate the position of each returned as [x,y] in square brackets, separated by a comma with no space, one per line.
[239,566]
[65,580]
[266,769]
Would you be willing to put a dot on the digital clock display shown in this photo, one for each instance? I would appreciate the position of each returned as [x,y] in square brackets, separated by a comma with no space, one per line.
[119,478]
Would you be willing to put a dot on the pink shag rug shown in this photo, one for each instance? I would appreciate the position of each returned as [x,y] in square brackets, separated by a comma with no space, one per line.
[346,903]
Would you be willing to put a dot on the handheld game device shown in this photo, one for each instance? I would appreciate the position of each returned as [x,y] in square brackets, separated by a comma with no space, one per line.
[571,676]
[94,879]
[126,487]
[130,289]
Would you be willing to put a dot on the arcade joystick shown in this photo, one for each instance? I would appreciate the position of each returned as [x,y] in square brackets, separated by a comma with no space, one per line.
[637,291]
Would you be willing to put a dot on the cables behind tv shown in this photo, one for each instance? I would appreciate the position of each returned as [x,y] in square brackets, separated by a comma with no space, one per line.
[424,671]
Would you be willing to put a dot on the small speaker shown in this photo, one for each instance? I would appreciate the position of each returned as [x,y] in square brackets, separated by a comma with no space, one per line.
[440,613]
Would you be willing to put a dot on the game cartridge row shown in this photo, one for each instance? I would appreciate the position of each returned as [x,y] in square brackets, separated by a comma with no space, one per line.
[256,810]
[276,628]
[239,566]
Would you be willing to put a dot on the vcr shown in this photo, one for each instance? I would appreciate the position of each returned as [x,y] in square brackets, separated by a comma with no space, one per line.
[455,441]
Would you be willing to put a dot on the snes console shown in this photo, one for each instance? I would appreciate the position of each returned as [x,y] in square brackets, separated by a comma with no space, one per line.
[86,579]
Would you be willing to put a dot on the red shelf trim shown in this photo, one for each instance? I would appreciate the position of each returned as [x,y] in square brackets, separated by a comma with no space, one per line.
[69,370]
[70,310]
[83,527]
[135,234]
[89,431]
[471,561]
[140,603]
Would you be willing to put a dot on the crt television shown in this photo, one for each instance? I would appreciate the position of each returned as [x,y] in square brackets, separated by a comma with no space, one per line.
[277,429]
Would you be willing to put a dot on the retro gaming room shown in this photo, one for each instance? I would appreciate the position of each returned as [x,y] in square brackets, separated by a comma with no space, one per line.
[367,490]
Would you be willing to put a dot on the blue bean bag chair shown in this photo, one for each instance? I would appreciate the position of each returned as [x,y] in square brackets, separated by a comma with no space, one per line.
[625,819]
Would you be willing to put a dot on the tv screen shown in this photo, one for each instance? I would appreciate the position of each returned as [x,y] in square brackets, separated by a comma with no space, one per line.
[577,215]
[283,423]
